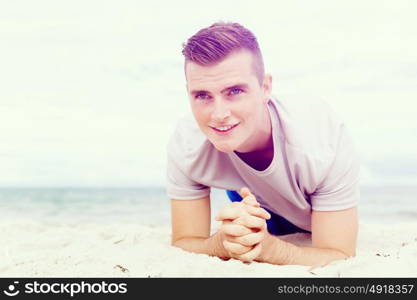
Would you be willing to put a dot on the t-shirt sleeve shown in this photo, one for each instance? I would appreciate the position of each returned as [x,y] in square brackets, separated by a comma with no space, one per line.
[179,185]
[339,188]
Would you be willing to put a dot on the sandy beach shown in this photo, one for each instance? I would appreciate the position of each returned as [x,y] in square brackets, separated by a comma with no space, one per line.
[63,249]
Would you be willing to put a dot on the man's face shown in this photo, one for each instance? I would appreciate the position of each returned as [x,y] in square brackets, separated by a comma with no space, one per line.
[228,102]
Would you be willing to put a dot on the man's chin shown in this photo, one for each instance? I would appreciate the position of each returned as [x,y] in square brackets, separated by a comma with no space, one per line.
[224,147]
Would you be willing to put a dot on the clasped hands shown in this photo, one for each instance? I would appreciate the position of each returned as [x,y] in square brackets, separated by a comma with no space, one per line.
[243,227]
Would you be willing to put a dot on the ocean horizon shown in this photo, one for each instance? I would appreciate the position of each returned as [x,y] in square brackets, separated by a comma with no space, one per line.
[150,205]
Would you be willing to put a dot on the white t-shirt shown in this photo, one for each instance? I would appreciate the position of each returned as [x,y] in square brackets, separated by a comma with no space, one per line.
[315,165]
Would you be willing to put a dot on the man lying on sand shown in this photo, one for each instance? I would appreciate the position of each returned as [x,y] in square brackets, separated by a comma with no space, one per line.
[291,162]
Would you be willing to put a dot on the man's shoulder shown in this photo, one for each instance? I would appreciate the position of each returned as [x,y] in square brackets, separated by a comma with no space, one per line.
[306,109]
[309,124]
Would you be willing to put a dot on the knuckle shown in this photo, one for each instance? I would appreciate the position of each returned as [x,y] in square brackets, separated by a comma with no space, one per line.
[226,230]
[241,251]
[248,239]
[251,221]
[237,249]
[251,198]
[246,258]
[231,239]
[259,212]
[240,230]
[260,222]
[224,227]
[239,221]
[241,240]
[226,246]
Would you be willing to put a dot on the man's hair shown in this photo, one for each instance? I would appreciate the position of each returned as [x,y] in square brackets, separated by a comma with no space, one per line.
[212,44]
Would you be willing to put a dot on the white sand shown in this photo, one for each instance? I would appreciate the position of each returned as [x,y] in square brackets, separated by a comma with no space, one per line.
[35,249]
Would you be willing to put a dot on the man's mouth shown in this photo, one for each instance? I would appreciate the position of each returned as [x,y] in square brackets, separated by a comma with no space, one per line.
[224,129]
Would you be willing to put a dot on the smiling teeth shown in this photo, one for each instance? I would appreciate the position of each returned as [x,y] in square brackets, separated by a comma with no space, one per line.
[224,128]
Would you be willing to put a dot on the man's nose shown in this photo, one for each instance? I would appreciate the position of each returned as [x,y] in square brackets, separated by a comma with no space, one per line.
[220,111]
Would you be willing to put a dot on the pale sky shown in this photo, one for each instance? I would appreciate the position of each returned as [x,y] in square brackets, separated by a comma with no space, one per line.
[90,90]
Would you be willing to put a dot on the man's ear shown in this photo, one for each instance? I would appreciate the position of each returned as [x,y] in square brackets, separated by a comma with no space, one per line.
[267,87]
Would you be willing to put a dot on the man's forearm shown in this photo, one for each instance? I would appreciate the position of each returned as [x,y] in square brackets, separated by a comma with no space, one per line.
[212,245]
[279,252]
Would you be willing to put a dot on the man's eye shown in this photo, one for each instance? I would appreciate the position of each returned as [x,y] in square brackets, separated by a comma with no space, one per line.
[202,96]
[235,91]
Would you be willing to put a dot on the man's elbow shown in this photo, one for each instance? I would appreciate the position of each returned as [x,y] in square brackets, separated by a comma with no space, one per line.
[347,253]
[346,249]
[351,253]
[175,240]
[179,241]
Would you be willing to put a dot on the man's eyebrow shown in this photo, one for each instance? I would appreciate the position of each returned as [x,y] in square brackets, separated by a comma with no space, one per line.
[195,92]
[235,86]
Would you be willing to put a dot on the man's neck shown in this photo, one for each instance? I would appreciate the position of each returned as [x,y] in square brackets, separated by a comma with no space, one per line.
[261,157]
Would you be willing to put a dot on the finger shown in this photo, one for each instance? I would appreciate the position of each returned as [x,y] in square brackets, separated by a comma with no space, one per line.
[230,213]
[235,230]
[251,222]
[235,249]
[251,200]
[244,192]
[249,240]
[258,212]
[251,255]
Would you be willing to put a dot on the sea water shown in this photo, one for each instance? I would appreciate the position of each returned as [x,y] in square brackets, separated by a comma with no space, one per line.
[151,205]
